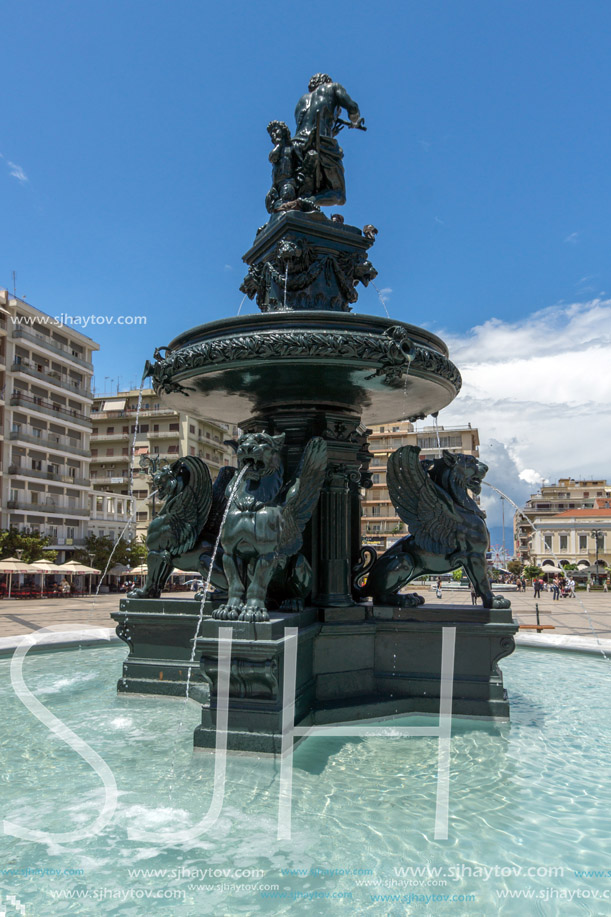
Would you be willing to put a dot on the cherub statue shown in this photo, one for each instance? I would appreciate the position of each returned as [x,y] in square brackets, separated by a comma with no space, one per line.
[447,528]
[263,531]
[283,193]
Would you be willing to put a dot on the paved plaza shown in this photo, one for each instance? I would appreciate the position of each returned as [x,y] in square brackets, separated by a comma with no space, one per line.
[586,615]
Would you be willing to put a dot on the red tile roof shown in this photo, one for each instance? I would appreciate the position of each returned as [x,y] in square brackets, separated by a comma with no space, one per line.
[598,513]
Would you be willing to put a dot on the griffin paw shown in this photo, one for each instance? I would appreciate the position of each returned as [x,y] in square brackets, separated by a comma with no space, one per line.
[254,613]
[400,600]
[499,601]
[143,593]
[292,605]
[226,613]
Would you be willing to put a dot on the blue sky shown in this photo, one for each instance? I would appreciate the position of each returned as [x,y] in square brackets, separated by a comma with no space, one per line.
[134,165]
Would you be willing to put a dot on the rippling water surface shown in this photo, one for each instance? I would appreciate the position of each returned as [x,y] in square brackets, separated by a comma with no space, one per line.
[529,806]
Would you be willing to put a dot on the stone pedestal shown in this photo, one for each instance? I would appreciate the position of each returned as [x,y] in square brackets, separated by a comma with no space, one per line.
[159,633]
[354,663]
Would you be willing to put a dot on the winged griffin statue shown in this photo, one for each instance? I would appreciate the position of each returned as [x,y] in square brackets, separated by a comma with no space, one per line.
[253,520]
[447,528]
[263,532]
[186,528]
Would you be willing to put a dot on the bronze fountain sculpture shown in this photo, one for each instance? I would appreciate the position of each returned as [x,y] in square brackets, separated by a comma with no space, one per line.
[279,538]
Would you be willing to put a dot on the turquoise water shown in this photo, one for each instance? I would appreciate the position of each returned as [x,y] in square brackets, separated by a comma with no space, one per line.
[533,796]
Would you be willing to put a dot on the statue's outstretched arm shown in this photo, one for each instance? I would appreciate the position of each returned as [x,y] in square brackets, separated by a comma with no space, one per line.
[349,104]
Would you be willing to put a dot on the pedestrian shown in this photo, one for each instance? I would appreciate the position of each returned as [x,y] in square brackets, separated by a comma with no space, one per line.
[606,586]
[473,595]
[438,590]
[537,584]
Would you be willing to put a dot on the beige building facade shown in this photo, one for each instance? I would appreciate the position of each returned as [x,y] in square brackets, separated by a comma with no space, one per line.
[45,425]
[578,536]
[380,525]
[163,435]
[568,495]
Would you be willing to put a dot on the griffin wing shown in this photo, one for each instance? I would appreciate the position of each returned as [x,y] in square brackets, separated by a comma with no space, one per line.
[303,496]
[190,508]
[421,504]
[219,502]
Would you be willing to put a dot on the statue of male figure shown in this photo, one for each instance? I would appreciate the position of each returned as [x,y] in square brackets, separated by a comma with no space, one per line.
[321,155]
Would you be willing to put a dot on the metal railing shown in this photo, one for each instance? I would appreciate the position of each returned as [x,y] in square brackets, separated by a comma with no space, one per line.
[34,403]
[52,441]
[51,344]
[52,377]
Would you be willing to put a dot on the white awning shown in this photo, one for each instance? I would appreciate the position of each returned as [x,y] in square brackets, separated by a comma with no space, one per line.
[114,405]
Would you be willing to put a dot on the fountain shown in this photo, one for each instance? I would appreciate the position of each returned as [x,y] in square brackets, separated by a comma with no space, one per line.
[281,544]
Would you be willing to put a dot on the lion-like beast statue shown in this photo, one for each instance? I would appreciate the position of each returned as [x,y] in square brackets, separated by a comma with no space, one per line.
[186,529]
[447,528]
[263,532]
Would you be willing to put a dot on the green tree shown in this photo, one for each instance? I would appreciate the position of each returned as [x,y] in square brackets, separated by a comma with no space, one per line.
[532,571]
[32,545]
[98,549]
[457,575]
[515,567]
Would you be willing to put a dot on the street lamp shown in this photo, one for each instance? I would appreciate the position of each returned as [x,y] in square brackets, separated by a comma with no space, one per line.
[597,534]
[90,556]
[152,464]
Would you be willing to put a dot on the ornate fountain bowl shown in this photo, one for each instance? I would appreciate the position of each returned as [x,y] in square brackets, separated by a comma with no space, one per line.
[235,368]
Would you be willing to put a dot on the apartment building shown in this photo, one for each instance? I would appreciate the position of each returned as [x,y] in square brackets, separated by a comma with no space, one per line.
[380,525]
[45,425]
[552,499]
[163,435]
[576,536]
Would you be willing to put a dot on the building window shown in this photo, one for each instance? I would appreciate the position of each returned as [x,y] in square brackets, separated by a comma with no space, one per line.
[191,429]
[547,542]
[174,427]
[125,429]
[172,449]
[144,428]
[94,453]
[110,452]
[125,451]
[110,429]
[191,450]
[564,542]
[583,542]
[155,428]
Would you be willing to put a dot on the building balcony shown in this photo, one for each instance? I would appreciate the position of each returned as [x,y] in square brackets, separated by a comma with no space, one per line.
[45,509]
[61,543]
[20,471]
[164,434]
[39,405]
[56,443]
[49,344]
[52,378]
[103,437]
[130,412]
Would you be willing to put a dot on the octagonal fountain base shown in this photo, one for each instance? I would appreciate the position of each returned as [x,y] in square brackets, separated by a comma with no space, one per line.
[353,663]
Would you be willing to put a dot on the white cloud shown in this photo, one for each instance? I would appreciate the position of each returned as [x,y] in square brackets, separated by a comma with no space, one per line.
[573,238]
[539,391]
[385,293]
[16,171]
